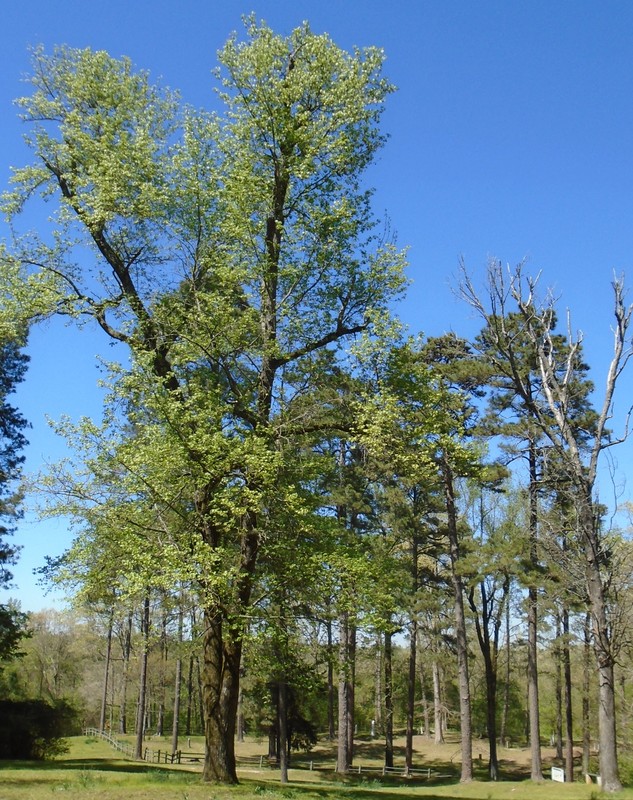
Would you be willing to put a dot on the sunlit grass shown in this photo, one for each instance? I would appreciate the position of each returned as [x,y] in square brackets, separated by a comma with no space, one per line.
[91,770]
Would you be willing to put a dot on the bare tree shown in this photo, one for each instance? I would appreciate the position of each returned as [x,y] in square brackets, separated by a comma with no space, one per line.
[576,449]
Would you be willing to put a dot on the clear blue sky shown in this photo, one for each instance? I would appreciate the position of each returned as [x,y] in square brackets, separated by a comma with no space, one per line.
[510,136]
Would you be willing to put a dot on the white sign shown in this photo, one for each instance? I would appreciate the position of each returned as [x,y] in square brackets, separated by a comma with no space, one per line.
[558,774]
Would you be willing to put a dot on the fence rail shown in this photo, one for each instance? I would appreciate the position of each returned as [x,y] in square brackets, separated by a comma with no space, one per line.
[149,755]
[262,762]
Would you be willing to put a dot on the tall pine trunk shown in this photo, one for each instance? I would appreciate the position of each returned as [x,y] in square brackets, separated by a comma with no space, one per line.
[586,685]
[142,693]
[602,650]
[438,724]
[411,684]
[569,727]
[177,681]
[388,700]
[532,620]
[284,750]
[345,695]
[461,640]
[127,650]
[331,699]
[558,688]
[106,675]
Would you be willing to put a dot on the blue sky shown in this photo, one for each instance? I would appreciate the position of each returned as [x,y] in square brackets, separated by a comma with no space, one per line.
[510,137]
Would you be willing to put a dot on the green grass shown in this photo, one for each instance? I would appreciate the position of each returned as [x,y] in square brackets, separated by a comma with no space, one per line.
[92,771]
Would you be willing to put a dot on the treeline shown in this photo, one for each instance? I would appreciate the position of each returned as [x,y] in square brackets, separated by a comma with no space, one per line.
[91,661]
[280,470]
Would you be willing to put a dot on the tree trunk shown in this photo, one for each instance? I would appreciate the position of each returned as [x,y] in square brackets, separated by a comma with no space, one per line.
[532,620]
[330,683]
[106,675]
[569,728]
[586,684]
[491,716]
[388,702]
[200,709]
[558,689]
[378,689]
[351,695]
[140,714]
[602,649]
[177,682]
[127,650]
[344,689]
[461,640]
[220,689]
[241,720]
[273,730]
[506,688]
[425,703]
[438,724]
[189,696]
[411,691]
[283,731]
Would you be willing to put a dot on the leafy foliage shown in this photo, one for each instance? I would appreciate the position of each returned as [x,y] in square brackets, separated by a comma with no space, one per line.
[34,729]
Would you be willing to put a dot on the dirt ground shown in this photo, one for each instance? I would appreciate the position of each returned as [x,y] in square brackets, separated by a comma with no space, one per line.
[446,756]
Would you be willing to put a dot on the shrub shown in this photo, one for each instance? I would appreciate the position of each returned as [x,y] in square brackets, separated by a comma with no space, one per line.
[34,729]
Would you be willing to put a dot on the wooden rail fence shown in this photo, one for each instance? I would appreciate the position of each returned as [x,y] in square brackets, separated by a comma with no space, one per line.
[261,762]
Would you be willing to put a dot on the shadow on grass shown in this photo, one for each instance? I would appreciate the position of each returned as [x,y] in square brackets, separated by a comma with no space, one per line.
[96,764]
[362,791]
[369,754]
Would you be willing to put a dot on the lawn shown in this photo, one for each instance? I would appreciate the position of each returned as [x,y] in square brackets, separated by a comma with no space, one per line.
[91,770]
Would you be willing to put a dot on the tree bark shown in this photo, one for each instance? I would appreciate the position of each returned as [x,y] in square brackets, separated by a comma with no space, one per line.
[532,646]
[106,675]
[127,649]
[438,723]
[378,688]
[586,685]
[177,682]
[569,727]
[140,715]
[220,688]
[461,640]
[411,690]
[603,651]
[283,731]
[351,695]
[388,701]
[506,688]
[189,696]
[330,683]
[558,688]
[344,757]
[241,721]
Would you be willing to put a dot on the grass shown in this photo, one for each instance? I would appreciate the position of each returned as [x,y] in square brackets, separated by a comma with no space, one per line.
[91,770]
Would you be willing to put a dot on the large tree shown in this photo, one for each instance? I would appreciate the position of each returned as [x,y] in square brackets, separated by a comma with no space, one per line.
[234,255]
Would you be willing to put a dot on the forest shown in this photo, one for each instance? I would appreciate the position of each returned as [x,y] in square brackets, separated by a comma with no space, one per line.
[295,518]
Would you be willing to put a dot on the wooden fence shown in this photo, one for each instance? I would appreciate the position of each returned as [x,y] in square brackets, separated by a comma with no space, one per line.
[258,762]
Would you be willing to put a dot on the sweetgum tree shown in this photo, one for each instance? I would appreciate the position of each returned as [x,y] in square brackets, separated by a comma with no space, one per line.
[235,254]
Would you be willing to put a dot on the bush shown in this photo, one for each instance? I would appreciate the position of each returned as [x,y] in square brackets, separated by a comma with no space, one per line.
[34,729]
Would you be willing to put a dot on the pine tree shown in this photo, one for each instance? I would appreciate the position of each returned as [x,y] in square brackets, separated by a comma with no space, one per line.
[13,364]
